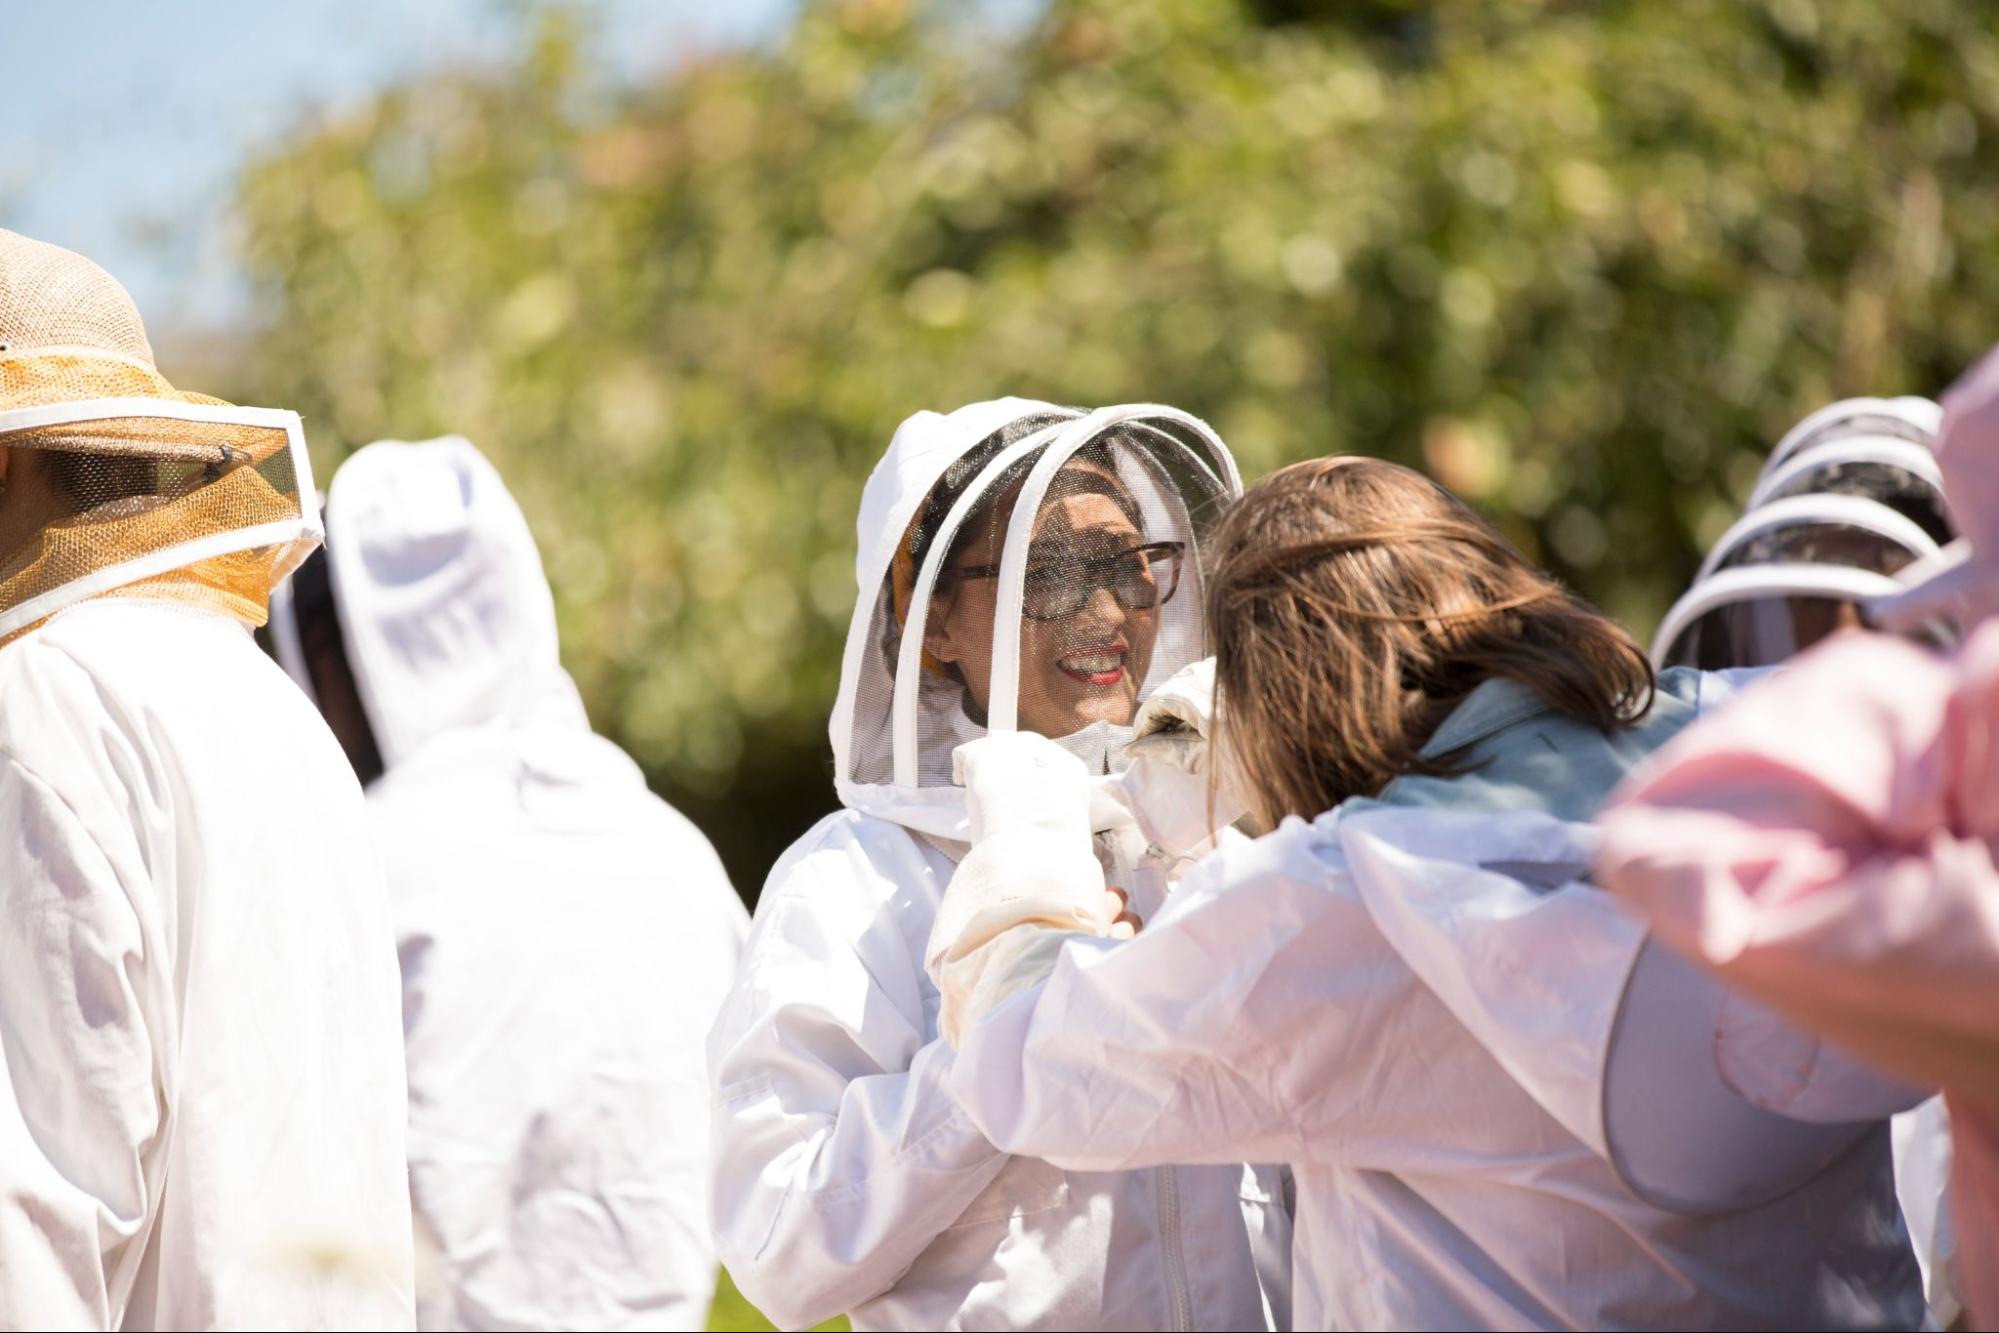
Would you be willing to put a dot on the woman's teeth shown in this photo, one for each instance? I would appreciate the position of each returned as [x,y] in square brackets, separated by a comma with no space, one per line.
[1097,668]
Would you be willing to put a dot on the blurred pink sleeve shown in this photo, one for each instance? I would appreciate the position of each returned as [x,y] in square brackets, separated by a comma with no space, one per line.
[1825,844]
[1825,841]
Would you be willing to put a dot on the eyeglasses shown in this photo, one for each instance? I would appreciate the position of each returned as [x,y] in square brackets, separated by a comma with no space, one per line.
[1140,578]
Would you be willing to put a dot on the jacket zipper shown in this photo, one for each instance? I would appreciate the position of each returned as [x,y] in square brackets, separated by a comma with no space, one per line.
[1169,1238]
[1123,874]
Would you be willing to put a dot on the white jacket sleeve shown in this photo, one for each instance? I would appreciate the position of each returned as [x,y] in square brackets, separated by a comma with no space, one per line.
[82,1100]
[838,1155]
[1244,1023]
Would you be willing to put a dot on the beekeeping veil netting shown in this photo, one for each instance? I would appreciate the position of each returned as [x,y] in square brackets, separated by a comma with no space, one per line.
[1786,575]
[1047,581]
[117,481]
[1897,473]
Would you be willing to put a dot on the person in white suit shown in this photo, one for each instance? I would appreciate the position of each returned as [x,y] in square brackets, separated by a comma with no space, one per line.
[202,1109]
[1504,1108]
[1020,565]
[565,935]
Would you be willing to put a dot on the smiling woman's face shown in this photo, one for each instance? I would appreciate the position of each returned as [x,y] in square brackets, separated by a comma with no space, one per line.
[1081,667]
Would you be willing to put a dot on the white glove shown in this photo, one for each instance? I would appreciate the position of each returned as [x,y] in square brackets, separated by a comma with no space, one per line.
[1031,864]
[1020,781]
[1172,785]
[1172,724]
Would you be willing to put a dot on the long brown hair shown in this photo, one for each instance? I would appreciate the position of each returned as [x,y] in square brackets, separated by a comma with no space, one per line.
[1354,603]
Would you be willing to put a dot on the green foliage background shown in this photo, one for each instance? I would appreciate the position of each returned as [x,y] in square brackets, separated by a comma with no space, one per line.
[1582,261]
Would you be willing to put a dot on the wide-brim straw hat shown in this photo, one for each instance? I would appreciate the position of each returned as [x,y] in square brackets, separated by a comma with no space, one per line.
[70,334]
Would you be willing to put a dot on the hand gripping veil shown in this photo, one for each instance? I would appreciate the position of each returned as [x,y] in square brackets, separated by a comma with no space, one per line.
[117,480]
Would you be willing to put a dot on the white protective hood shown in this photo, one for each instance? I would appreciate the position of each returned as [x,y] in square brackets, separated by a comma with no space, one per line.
[446,615]
[894,724]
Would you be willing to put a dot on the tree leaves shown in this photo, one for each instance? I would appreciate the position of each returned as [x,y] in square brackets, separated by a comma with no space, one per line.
[1582,262]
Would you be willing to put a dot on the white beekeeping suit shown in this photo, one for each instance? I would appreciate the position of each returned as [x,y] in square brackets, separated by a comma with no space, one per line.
[201,1119]
[1020,565]
[566,936]
[1429,1016]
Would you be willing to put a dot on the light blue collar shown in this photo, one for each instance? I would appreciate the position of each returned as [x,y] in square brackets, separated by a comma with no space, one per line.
[1489,709]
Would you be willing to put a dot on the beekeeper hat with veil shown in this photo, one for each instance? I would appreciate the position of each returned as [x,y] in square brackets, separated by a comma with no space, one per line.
[113,479]
[1022,566]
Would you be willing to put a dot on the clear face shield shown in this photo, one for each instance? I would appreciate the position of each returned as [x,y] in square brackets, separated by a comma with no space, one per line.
[180,501]
[1050,583]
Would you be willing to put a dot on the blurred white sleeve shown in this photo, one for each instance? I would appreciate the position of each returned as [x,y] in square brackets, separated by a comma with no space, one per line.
[838,1155]
[81,1104]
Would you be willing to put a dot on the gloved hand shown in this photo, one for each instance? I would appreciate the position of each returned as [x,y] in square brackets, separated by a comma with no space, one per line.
[1031,864]
[1172,724]
[1018,782]
[1172,786]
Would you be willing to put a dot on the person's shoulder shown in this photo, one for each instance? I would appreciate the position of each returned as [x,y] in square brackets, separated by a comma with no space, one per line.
[1298,853]
[114,664]
[852,900]
[141,650]
[1704,690]
[41,664]
[844,852]
[698,872]
[129,703]
[854,877]
[126,621]
[681,837]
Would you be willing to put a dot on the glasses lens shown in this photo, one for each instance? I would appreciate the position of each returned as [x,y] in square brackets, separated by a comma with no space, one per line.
[1053,591]
[1140,579]
[1162,574]
[1136,586]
